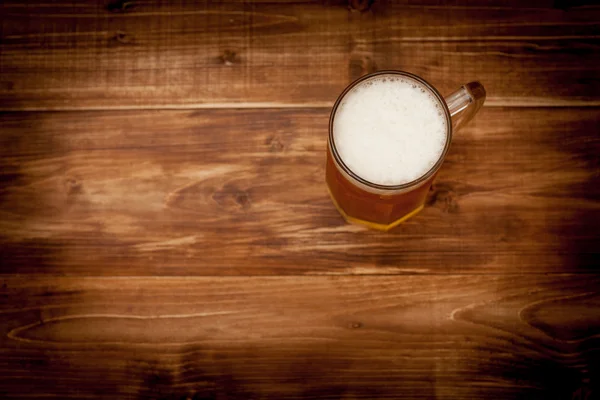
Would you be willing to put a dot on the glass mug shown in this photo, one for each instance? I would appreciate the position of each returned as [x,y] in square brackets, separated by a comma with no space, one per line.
[380,206]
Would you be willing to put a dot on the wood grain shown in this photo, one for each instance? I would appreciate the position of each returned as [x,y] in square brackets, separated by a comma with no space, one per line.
[444,337]
[115,55]
[242,192]
[165,230]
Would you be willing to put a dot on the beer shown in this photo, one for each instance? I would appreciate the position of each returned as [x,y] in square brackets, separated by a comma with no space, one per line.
[388,135]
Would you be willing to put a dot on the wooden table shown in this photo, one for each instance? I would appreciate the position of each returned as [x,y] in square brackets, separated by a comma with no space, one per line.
[166,232]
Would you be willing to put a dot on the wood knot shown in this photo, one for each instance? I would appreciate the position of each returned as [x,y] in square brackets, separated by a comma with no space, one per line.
[242,199]
[444,197]
[73,186]
[123,37]
[360,66]
[229,57]
[356,325]
[231,197]
[275,144]
[119,6]
[360,5]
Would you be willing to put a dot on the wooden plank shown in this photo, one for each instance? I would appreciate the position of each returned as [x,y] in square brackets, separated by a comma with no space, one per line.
[445,337]
[95,55]
[242,192]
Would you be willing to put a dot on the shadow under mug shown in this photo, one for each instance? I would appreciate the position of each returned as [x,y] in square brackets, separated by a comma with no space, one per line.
[384,207]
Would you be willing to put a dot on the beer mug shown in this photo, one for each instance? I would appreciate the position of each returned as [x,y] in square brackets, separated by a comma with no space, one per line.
[389,133]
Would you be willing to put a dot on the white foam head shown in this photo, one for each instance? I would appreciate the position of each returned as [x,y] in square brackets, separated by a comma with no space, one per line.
[390,129]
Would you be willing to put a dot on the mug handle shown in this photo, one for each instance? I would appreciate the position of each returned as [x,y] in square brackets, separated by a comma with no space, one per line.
[465,103]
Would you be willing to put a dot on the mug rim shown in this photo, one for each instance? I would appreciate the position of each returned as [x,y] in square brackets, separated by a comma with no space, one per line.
[340,163]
